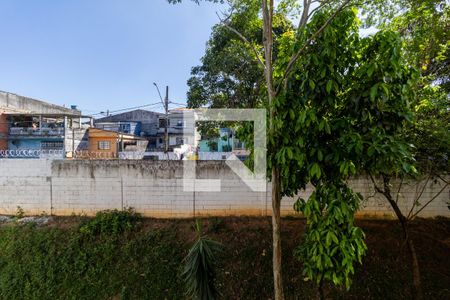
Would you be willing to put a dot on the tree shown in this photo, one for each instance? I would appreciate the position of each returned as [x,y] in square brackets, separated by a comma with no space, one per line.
[425,141]
[230,75]
[302,101]
[424,26]
[275,79]
[353,97]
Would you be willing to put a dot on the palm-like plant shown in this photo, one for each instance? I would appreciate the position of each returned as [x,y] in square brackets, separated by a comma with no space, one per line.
[199,269]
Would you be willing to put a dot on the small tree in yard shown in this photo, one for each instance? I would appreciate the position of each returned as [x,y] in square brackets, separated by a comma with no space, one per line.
[353,98]
[420,147]
[331,97]
[286,167]
[421,151]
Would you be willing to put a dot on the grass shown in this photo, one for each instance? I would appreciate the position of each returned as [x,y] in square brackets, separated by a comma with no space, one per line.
[121,256]
[74,263]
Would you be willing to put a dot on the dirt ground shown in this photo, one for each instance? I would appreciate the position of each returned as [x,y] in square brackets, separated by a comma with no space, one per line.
[245,264]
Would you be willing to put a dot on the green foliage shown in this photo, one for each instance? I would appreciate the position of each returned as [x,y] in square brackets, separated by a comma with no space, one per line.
[343,109]
[312,115]
[430,131]
[424,26]
[111,222]
[54,263]
[229,75]
[344,105]
[382,112]
[424,29]
[199,270]
[332,243]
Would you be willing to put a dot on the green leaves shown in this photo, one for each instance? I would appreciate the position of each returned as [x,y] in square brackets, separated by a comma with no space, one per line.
[199,269]
[371,69]
[329,85]
[315,171]
[332,243]
[373,92]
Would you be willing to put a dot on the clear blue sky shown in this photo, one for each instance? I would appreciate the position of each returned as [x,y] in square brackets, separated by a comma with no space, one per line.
[101,54]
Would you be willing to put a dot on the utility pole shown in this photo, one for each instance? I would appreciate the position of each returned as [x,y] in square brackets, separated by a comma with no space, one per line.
[165,104]
[166,131]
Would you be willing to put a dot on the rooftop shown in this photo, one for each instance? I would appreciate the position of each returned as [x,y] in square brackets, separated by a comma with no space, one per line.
[14,103]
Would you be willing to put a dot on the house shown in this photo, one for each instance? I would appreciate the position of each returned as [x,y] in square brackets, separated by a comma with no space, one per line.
[137,122]
[221,147]
[226,142]
[31,128]
[180,130]
[151,126]
[106,144]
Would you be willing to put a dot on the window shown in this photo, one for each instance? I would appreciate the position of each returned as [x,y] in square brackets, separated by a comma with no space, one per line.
[180,123]
[179,141]
[162,123]
[104,145]
[125,128]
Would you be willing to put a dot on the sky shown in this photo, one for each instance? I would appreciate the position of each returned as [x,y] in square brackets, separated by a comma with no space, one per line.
[101,54]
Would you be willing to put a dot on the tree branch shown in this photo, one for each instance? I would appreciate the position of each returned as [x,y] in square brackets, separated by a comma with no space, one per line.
[399,188]
[244,39]
[416,200]
[431,200]
[440,177]
[377,189]
[305,14]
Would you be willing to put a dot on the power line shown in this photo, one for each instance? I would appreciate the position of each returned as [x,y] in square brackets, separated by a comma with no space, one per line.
[128,108]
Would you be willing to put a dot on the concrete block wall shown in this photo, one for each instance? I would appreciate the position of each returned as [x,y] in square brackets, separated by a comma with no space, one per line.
[155,188]
[26,184]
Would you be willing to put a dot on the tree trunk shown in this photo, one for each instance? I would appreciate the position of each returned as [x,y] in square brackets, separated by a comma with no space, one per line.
[276,232]
[267,12]
[417,283]
[321,294]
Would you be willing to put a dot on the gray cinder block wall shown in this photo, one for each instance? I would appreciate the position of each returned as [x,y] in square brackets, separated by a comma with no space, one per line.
[155,188]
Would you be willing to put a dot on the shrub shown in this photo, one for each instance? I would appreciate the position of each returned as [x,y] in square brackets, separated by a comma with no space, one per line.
[111,222]
[200,262]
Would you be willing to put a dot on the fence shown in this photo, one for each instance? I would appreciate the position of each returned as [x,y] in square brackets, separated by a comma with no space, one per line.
[155,188]
[32,153]
[93,155]
[36,131]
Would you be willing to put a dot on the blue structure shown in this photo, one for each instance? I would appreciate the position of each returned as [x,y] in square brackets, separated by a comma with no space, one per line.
[31,136]
[226,142]
[127,127]
[33,128]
